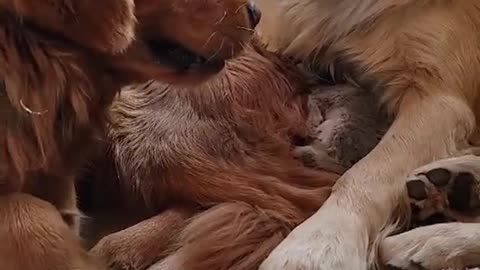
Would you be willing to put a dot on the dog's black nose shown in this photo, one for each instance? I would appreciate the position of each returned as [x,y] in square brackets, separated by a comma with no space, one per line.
[254,14]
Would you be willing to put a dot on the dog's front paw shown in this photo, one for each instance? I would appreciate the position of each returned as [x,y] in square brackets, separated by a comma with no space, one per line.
[445,190]
[403,253]
[436,247]
[292,254]
[313,253]
[110,252]
[327,241]
[117,254]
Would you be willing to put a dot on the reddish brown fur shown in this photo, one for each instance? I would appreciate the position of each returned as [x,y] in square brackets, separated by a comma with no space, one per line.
[146,242]
[25,223]
[110,28]
[58,75]
[222,146]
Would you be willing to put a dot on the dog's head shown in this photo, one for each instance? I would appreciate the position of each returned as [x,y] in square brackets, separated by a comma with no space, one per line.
[62,62]
[191,38]
[170,40]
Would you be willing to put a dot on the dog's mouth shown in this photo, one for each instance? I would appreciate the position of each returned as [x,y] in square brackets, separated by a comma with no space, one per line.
[168,53]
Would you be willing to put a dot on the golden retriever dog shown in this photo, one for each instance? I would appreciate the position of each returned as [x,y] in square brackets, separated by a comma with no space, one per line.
[422,59]
[208,169]
[61,64]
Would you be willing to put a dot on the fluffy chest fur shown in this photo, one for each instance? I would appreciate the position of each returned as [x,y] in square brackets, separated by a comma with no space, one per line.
[161,132]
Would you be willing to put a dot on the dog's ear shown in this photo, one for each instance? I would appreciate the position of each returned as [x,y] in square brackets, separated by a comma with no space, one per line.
[103,25]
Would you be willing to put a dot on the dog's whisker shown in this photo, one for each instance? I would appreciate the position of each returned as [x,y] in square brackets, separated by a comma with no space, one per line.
[246,28]
[221,19]
[217,51]
[240,7]
[243,45]
[30,111]
[209,38]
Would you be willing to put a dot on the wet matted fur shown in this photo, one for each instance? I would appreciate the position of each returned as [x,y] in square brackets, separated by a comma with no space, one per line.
[222,150]
[60,70]
[421,58]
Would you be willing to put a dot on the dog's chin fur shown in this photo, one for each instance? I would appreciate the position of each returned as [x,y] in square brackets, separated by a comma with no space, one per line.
[222,148]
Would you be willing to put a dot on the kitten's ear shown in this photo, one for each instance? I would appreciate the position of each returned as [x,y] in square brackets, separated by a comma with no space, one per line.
[104,25]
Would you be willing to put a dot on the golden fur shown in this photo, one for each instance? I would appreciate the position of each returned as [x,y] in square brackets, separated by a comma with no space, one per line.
[59,71]
[222,150]
[422,59]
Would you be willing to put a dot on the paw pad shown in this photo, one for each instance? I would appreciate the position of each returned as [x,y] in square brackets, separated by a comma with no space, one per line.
[461,192]
[439,177]
[417,190]
[442,194]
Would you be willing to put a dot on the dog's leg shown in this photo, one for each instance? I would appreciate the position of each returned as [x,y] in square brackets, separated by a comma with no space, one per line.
[33,236]
[143,244]
[435,247]
[340,234]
